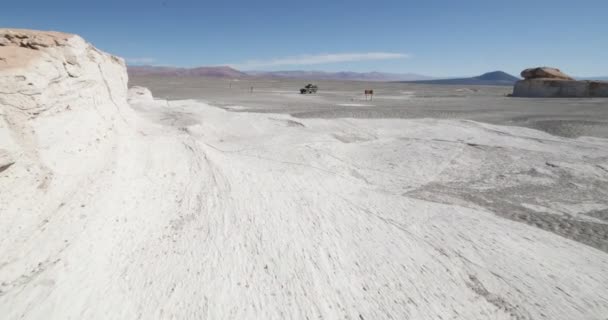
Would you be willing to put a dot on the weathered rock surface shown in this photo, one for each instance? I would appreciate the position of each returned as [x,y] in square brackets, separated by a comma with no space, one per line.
[544,73]
[63,110]
[59,96]
[5,160]
[72,152]
[553,88]
[45,72]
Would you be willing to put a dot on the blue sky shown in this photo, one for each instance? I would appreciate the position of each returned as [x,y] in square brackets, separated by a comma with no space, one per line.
[437,38]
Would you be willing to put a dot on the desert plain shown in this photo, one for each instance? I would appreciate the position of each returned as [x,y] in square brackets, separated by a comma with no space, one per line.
[566,117]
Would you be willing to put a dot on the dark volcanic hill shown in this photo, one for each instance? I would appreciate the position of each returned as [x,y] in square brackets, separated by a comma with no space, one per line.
[496,78]
[216,72]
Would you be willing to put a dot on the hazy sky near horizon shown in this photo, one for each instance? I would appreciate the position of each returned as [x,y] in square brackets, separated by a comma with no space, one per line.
[432,37]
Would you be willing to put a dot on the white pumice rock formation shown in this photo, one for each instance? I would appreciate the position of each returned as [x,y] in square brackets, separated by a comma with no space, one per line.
[160,209]
[545,82]
[58,95]
[42,73]
[72,151]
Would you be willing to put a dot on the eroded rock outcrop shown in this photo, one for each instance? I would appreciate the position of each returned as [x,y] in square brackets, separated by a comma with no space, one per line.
[75,161]
[44,72]
[62,106]
[545,82]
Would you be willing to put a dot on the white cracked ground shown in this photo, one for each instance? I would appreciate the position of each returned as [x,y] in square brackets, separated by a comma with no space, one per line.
[186,211]
[215,215]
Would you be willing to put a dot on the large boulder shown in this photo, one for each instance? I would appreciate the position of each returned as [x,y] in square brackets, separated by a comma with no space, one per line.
[545,82]
[544,73]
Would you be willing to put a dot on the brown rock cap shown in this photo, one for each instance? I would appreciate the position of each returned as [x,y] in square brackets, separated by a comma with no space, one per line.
[545,73]
[18,47]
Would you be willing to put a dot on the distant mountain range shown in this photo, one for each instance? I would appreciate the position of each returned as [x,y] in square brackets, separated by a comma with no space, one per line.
[495,78]
[216,72]
[345,76]
[228,72]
